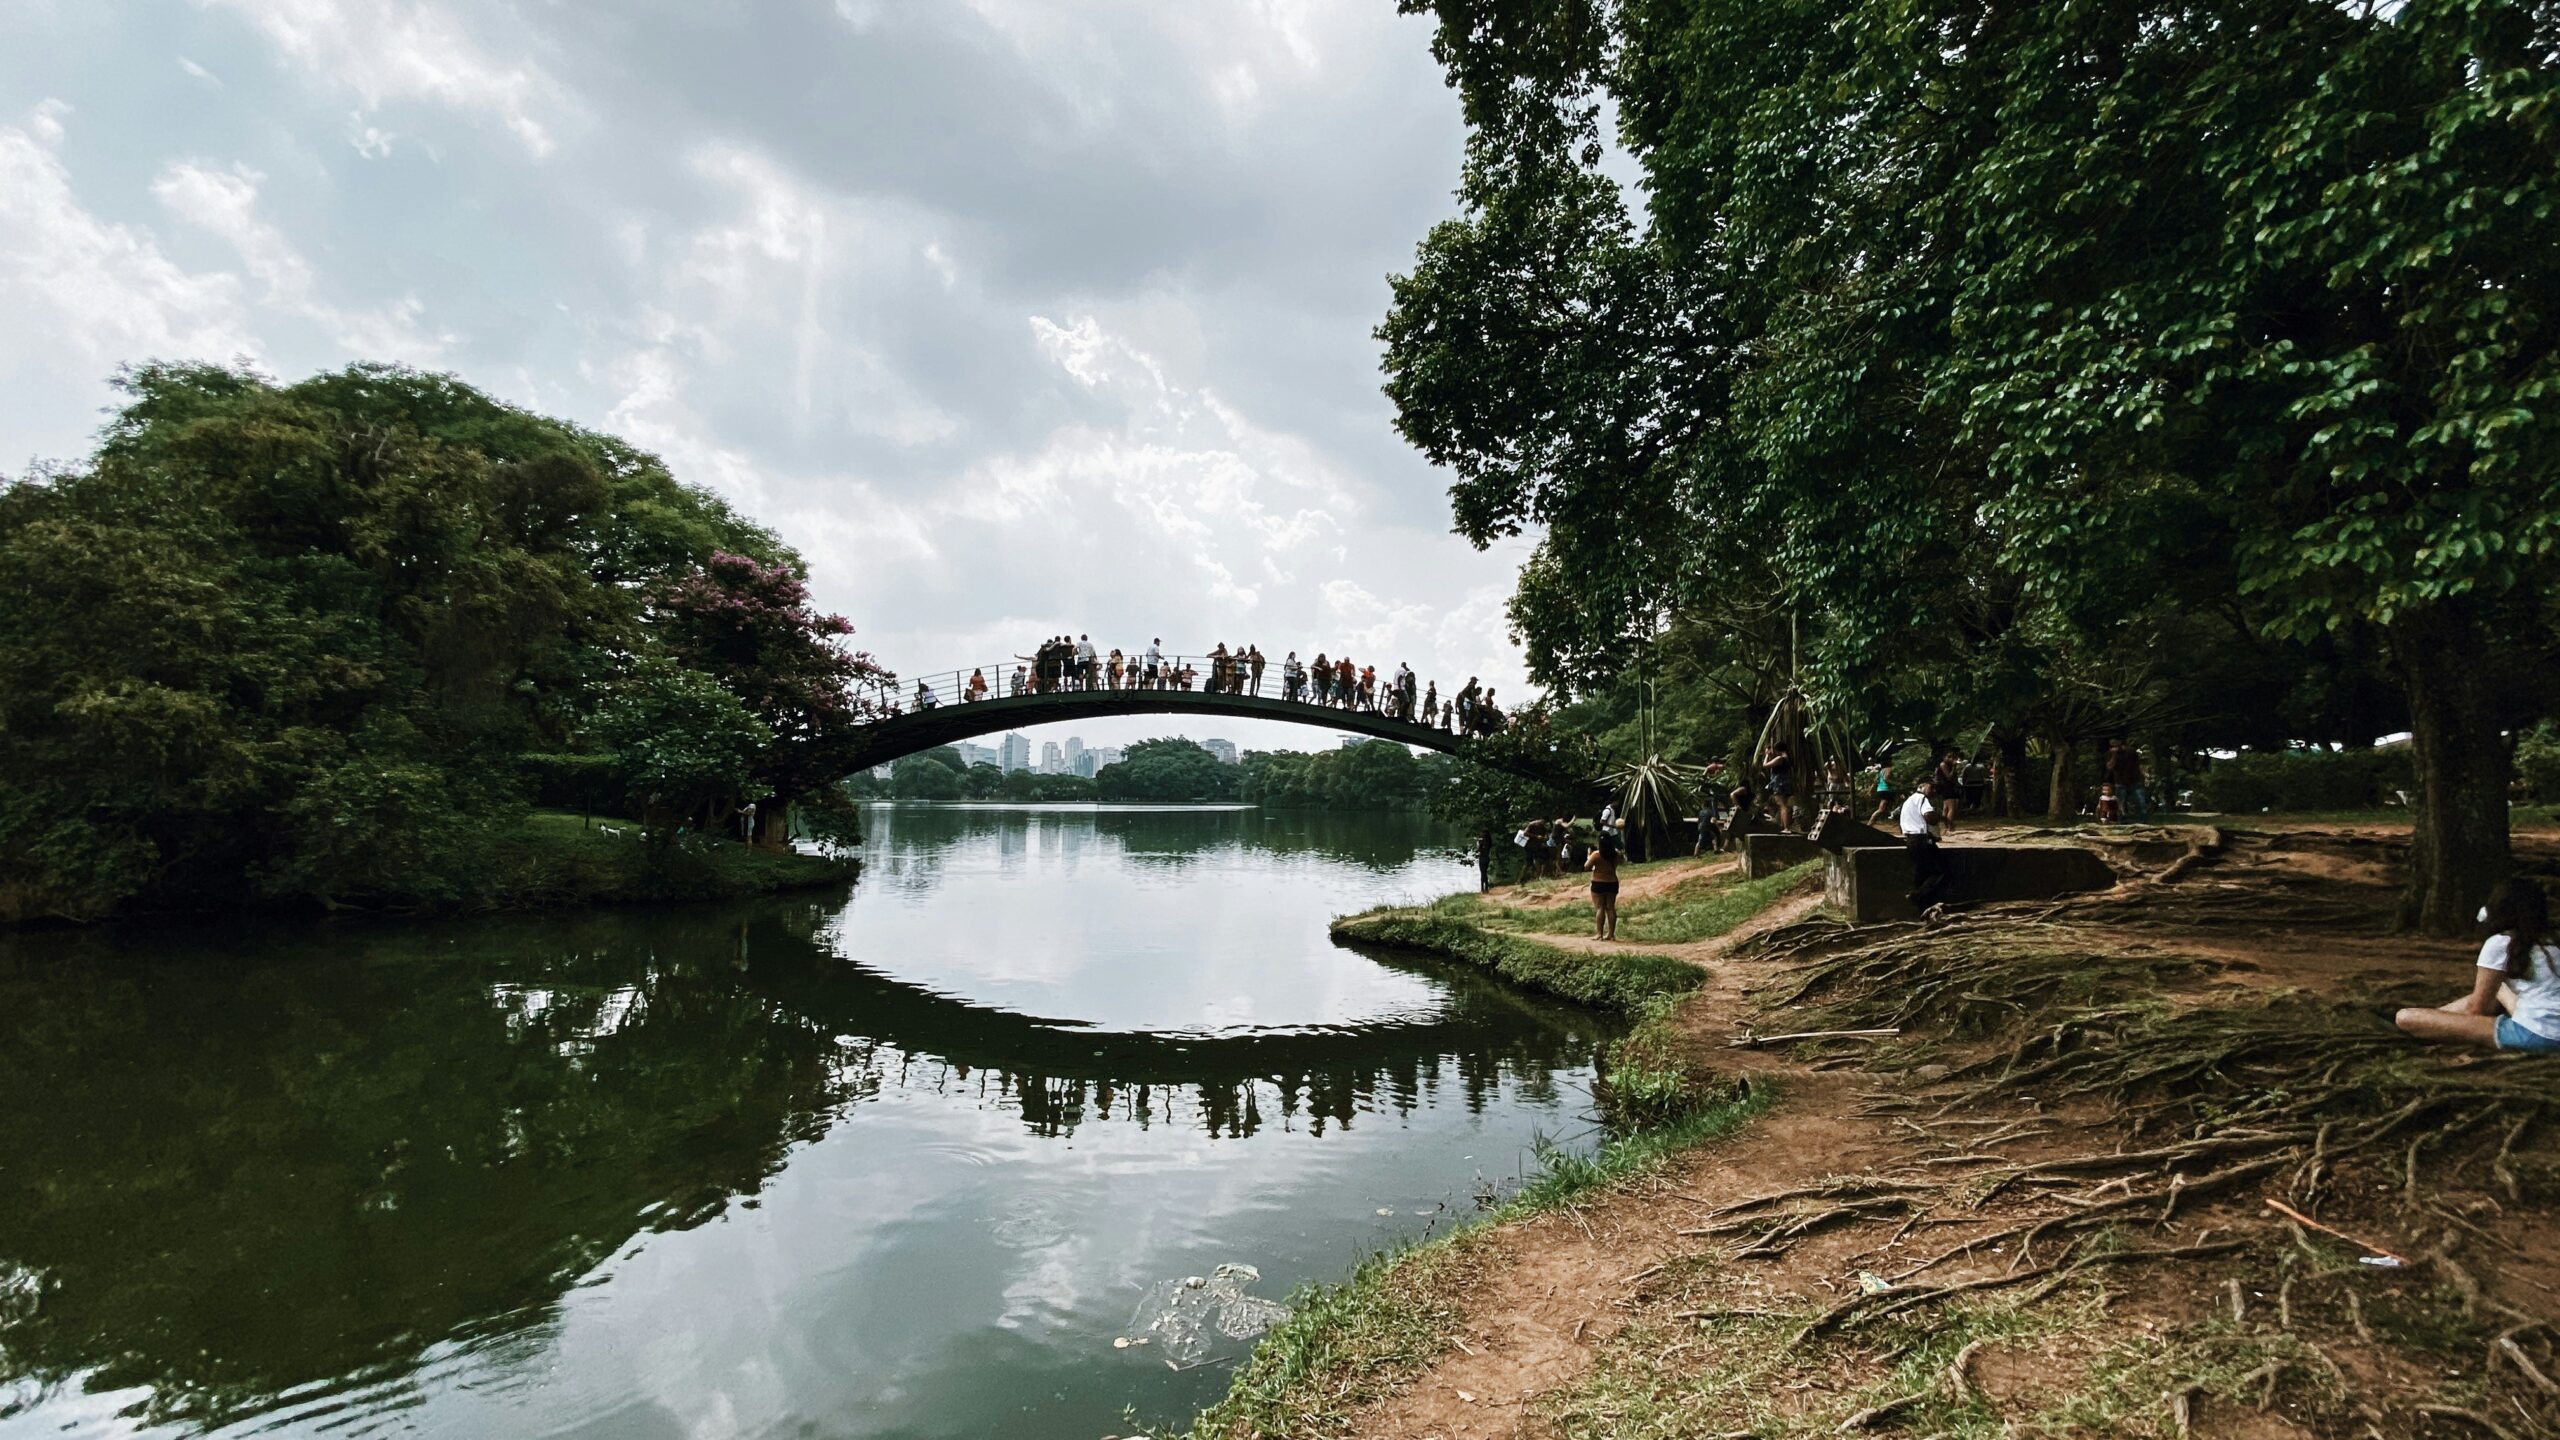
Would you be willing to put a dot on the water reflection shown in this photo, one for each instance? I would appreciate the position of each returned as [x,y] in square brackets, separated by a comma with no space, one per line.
[435,1175]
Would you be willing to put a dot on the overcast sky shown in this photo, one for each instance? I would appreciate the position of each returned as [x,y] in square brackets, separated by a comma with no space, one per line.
[1013,316]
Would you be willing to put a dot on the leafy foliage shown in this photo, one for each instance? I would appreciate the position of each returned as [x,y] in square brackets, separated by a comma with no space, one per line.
[297,642]
[1996,344]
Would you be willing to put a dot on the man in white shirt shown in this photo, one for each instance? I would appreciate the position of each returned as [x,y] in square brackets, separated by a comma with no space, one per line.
[1920,836]
[1085,667]
[1155,662]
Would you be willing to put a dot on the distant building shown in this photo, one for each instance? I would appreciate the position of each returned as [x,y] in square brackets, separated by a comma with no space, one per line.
[1106,755]
[1225,750]
[1016,752]
[972,756]
[1350,740]
[1075,755]
[1084,764]
[1053,761]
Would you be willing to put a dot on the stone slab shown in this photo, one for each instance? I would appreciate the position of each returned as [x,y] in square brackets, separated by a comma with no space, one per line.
[1839,832]
[1870,884]
[1766,854]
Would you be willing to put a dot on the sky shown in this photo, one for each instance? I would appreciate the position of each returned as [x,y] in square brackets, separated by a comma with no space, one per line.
[1013,316]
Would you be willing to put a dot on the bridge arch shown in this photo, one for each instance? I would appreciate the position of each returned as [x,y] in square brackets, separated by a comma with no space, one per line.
[914,726]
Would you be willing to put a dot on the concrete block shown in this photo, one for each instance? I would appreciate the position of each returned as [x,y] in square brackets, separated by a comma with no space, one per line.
[1766,855]
[1869,884]
[1839,832]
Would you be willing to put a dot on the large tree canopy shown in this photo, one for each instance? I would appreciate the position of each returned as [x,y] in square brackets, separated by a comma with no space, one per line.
[302,641]
[2002,341]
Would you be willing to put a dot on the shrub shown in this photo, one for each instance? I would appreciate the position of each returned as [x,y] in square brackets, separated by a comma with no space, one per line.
[2538,760]
[2304,780]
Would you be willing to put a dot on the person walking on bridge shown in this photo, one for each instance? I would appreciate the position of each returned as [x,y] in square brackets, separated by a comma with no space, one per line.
[1346,683]
[1253,663]
[977,686]
[1322,678]
[1465,704]
[1087,677]
[1155,662]
[1293,677]
[1430,704]
[1112,667]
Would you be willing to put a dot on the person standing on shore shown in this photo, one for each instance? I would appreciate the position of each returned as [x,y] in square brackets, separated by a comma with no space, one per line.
[1919,826]
[1604,886]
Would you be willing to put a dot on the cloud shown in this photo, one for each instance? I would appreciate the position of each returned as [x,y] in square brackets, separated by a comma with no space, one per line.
[224,203]
[389,52]
[92,293]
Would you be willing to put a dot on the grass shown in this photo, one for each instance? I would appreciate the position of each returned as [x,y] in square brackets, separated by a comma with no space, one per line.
[563,859]
[1629,982]
[1700,908]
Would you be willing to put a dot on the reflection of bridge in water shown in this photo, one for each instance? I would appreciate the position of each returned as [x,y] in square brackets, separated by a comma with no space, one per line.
[938,710]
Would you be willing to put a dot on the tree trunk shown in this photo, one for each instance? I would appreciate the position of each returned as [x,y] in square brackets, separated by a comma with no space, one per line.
[773,826]
[2009,787]
[2441,657]
[2062,798]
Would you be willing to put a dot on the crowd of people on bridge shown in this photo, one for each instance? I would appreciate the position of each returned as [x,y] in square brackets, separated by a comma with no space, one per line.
[1065,664]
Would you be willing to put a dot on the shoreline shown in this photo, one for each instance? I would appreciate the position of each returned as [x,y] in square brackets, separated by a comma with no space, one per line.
[2021,1183]
[553,861]
[1355,1341]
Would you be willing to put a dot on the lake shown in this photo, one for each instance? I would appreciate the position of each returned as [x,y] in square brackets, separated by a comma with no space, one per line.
[901,1160]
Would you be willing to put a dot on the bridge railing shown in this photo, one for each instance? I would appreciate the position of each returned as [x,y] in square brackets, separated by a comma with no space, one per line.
[1196,674]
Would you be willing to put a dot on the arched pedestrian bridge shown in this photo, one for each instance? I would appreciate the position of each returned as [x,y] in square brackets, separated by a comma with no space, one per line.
[937,710]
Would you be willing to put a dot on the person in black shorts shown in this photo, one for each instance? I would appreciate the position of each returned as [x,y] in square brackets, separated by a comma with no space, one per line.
[1604,886]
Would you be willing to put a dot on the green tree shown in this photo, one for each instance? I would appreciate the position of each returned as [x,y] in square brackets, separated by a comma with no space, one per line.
[922,777]
[1999,333]
[1168,770]
[685,746]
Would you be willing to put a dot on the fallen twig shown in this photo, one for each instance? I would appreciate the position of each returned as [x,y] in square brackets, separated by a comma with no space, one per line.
[1753,1042]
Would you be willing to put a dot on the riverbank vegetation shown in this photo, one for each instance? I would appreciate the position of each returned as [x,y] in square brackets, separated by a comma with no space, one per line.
[326,644]
[2081,374]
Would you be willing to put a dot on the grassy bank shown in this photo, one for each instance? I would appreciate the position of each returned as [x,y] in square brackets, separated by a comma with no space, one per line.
[1349,1344]
[557,859]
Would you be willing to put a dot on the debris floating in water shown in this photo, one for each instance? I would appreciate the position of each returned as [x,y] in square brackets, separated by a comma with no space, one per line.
[1189,1316]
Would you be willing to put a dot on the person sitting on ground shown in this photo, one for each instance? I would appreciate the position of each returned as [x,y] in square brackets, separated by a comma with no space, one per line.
[1604,886]
[2514,1002]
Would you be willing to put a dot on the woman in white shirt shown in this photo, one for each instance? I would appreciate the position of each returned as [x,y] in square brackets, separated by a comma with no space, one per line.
[2514,1002]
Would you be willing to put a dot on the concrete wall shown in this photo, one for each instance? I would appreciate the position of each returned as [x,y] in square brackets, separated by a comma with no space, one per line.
[1868,885]
[1766,854]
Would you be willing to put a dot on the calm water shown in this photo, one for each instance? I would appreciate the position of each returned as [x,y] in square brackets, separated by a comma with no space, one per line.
[900,1161]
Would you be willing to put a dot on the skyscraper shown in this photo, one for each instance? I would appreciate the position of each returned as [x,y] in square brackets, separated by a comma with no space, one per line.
[1016,750]
[1075,755]
[1225,750]
[1053,761]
